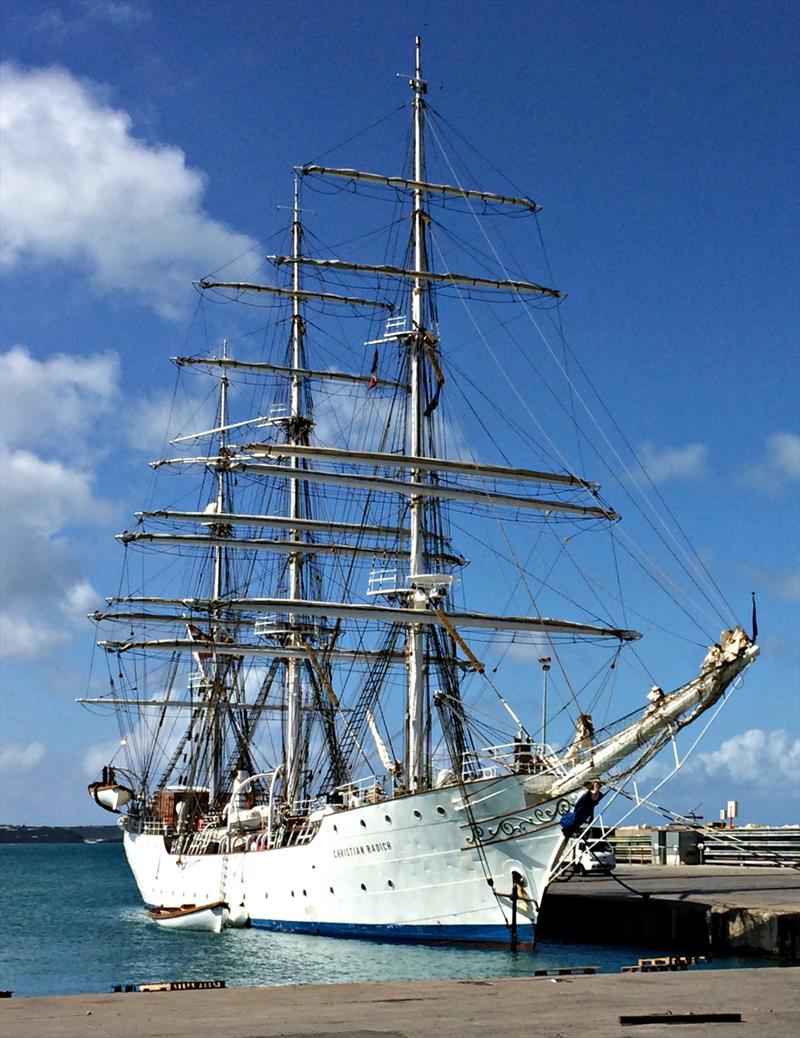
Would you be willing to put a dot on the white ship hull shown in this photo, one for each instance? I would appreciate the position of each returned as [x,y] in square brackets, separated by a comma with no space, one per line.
[403,869]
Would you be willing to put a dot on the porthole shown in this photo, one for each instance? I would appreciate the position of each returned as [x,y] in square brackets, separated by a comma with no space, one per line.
[292,893]
[336,828]
[363,887]
[388,818]
[331,889]
[305,893]
[363,823]
[389,882]
[441,810]
[417,814]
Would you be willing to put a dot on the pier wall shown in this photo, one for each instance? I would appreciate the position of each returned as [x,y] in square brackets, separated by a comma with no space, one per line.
[687,926]
[689,909]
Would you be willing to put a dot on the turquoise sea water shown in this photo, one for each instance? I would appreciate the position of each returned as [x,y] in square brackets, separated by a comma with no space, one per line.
[71,921]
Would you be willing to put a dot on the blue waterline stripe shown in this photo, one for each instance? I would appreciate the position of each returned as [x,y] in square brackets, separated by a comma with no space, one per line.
[436,934]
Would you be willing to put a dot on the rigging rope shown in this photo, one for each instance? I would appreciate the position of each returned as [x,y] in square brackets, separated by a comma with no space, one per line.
[588,410]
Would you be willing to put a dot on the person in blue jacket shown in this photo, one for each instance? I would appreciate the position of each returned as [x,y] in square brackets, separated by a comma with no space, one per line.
[583,811]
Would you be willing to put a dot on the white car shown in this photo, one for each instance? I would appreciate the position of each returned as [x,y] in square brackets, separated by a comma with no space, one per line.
[590,857]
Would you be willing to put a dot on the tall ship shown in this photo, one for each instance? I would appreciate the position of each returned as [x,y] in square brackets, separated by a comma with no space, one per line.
[312,739]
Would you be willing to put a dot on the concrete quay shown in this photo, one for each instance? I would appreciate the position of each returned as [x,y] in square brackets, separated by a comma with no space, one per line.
[768,1000]
[696,909]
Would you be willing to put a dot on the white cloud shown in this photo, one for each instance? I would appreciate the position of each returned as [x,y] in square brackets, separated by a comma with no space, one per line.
[356,419]
[352,419]
[759,768]
[673,462]
[526,650]
[27,637]
[150,422]
[779,463]
[57,403]
[45,496]
[51,412]
[756,756]
[116,12]
[16,757]
[98,755]
[42,587]
[76,186]
[79,599]
[59,417]
[83,16]
[43,602]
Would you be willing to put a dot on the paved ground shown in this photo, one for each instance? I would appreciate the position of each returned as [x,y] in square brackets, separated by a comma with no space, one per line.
[771,888]
[573,1007]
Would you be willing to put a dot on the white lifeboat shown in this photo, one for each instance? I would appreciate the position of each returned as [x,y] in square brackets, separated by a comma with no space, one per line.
[110,796]
[209,917]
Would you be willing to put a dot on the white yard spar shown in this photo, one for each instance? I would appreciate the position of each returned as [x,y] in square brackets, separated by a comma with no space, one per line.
[257,687]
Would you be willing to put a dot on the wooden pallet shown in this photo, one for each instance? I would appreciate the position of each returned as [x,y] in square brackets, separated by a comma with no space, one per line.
[170,985]
[665,963]
[566,971]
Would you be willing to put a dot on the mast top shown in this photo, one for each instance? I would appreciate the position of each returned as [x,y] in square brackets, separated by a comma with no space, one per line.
[418,84]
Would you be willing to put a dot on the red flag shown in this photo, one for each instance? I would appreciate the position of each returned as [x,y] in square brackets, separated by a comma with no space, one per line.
[199,636]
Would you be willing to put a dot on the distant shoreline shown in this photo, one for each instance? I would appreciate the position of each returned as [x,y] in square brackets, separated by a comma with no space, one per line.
[88,834]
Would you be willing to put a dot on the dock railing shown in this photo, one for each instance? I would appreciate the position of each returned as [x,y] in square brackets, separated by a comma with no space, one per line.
[753,847]
[632,848]
[765,846]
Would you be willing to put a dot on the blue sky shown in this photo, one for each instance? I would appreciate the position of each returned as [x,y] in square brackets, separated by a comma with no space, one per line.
[146,144]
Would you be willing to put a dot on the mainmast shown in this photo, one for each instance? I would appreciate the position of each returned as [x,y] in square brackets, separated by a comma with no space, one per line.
[296,434]
[417,598]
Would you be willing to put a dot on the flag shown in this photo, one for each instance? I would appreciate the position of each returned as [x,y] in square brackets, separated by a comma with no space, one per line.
[199,636]
[373,375]
[755,618]
[434,400]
